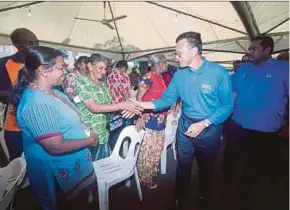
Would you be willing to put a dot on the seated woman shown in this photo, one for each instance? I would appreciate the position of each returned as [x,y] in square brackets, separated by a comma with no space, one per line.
[55,141]
[96,101]
[151,87]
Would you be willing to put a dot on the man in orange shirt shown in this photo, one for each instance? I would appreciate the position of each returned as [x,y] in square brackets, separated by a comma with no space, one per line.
[10,66]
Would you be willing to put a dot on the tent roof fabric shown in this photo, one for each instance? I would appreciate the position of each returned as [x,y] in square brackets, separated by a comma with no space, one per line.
[144,28]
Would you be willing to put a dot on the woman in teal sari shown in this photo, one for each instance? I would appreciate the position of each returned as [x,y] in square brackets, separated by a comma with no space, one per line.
[55,142]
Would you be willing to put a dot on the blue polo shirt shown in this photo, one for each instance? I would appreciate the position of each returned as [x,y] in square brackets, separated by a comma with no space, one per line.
[261,95]
[206,93]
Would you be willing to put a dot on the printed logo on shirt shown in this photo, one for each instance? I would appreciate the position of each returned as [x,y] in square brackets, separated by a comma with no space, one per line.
[268,75]
[206,88]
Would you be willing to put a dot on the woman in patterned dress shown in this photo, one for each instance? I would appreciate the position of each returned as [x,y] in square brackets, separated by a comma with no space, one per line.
[151,87]
[96,101]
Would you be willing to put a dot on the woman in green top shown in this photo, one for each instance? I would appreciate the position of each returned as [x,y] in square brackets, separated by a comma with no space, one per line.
[96,102]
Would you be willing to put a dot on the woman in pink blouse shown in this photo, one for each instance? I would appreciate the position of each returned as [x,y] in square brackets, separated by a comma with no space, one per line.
[70,80]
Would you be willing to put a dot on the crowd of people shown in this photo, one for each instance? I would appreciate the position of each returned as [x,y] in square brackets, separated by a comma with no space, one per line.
[63,130]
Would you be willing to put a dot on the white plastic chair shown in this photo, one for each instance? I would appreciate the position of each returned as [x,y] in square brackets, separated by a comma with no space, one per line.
[2,140]
[25,182]
[170,139]
[115,169]
[11,178]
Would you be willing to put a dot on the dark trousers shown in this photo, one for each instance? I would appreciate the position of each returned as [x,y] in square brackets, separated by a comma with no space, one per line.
[114,135]
[252,163]
[205,148]
[234,154]
[14,143]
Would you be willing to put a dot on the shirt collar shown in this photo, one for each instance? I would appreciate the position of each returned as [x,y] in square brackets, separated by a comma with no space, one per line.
[270,60]
[15,58]
[200,69]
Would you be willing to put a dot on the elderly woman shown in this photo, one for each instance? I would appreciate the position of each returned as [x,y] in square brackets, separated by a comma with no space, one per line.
[151,87]
[55,141]
[96,102]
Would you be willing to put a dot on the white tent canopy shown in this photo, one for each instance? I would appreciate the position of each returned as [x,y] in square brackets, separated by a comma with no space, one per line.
[142,28]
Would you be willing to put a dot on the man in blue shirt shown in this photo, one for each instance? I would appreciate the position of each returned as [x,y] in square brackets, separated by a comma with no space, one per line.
[261,94]
[205,90]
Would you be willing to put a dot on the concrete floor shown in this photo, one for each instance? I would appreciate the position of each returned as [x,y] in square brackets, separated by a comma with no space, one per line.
[161,198]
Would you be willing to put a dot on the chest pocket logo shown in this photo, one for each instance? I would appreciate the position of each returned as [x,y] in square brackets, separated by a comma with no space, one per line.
[268,76]
[206,88]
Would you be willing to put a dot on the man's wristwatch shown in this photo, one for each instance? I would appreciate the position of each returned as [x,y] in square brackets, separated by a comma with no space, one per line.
[206,123]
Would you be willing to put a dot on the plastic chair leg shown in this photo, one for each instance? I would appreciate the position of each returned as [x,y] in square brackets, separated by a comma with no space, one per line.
[103,196]
[163,161]
[3,144]
[174,150]
[125,151]
[12,204]
[137,181]
[25,183]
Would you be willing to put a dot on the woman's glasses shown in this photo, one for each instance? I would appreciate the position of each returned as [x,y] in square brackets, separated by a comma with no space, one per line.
[59,68]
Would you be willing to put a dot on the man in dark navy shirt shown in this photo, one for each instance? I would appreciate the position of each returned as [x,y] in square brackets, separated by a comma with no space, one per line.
[261,89]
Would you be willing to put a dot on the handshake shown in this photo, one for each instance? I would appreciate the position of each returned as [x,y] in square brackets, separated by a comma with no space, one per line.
[130,108]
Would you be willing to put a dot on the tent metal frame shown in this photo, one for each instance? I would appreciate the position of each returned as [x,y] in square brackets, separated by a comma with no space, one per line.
[21,6]
[242,8]
[117,31]
[196,17]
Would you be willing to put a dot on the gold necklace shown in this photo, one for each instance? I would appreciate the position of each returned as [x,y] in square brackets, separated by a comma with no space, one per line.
[39,88]
[52,94]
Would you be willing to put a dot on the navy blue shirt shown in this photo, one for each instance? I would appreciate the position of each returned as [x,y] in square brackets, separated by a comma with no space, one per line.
[262,93]
[206,93]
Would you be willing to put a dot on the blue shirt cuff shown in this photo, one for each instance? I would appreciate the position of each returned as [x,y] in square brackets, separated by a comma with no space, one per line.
[157,104]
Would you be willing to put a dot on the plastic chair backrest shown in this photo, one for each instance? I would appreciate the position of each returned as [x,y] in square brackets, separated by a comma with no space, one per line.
[171,127]
[2,112]
[135,139]
[17,168]
[23,170]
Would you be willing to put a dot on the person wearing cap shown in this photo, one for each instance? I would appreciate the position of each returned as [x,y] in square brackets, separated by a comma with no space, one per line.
[10,66]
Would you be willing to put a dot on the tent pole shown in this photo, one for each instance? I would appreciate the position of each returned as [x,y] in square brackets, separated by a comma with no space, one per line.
[196,17]
[20,6]
[221,41]
[246,15]
[123,55]
[276,26]
[241,46]
[279,51]
[204,50]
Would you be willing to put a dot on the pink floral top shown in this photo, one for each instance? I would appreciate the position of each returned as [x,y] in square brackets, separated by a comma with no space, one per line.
[117,83]
[70,82]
